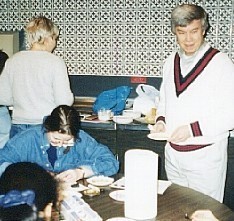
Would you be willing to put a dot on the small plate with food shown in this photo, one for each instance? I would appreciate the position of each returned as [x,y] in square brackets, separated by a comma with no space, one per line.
[100,180]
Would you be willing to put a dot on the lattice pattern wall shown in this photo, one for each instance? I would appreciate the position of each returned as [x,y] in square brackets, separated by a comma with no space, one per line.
[117,37]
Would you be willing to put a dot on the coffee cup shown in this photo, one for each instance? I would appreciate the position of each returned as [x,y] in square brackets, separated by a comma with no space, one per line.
[104,115]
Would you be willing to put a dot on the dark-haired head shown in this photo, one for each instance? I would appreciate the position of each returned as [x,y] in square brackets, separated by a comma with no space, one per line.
[28,176]
[22,212]
[18,205]
[64,119]
[3,58]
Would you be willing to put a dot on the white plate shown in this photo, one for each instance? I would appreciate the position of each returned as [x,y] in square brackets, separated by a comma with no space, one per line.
[100,180]
[118,195]
[119,219]
[119,184]
[141,120]
[158,136]
[131,113]
[122,119]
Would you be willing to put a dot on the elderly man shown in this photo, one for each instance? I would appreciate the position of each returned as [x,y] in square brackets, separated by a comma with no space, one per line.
[196,106]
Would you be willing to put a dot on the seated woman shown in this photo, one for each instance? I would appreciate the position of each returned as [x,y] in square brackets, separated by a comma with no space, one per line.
[61,148]
[27,192]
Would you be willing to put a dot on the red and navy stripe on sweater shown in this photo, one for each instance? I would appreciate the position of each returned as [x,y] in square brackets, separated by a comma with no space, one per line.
[182,83]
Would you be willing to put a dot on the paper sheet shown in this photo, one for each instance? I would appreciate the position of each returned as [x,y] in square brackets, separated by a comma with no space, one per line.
[162,185]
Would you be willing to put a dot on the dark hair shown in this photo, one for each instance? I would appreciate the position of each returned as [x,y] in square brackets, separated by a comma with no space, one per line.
[28,176]
[64,119]
[22,212]
[183,15]
[3,58]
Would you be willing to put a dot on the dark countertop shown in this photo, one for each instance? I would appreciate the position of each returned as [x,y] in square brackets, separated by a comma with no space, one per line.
[84,106]
[110,125]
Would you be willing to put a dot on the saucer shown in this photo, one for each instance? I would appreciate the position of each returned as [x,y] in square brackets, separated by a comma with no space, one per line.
[118,195]
[100,180]
[158,136]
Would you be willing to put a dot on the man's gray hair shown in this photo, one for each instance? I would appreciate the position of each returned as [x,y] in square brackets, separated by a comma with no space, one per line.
[183,15]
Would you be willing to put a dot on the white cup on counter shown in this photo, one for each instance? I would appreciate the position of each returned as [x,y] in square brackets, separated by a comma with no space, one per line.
[104,115]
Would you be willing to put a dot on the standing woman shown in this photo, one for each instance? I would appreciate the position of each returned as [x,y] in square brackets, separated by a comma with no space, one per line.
[35,81]
[5,119]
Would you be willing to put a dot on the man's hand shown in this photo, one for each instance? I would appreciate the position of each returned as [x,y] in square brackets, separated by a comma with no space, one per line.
[180,134]
[159,127]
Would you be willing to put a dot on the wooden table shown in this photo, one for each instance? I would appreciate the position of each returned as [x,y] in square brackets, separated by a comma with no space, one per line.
[172,205]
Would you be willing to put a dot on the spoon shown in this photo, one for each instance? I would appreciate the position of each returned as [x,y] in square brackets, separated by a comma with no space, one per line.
[186,216]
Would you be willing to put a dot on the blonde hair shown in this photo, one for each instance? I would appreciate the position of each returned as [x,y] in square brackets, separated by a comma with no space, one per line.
[40,28]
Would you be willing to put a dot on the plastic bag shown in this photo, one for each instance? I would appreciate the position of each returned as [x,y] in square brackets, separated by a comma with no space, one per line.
[147,98]
[114,100]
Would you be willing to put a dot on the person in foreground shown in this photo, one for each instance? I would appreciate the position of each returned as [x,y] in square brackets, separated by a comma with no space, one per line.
[27,192]
[35,81]
[60,147]
[5,118]
[196,106]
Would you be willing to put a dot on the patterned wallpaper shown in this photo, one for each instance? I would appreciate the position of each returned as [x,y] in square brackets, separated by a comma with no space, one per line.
[117,37]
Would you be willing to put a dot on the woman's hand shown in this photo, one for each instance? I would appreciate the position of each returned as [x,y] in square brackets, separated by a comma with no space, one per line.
[203,215]
[71,176]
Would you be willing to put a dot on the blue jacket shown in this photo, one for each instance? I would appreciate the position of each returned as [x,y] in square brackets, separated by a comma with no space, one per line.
[31,146]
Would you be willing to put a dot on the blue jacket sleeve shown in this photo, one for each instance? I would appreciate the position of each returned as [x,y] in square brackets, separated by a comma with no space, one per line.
[97,156]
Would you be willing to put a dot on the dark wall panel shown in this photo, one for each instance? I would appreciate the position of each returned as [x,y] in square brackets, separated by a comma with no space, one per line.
[91,86]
